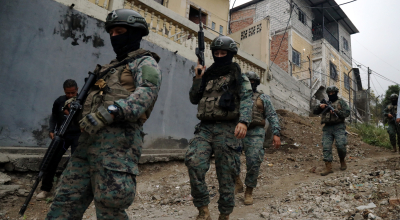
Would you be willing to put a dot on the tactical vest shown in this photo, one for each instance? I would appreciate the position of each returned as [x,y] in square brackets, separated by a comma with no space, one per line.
[114,90]
[392,109]
[209,108]
[258,111]
[329,118]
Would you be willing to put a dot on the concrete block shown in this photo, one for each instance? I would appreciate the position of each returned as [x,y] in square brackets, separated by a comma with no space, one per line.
[6,190]
[4,178]
[4,158]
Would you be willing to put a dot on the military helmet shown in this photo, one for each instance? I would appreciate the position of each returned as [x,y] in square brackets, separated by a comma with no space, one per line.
[253,76]
[224,43]
[332,89]
[126,17]
[394,96]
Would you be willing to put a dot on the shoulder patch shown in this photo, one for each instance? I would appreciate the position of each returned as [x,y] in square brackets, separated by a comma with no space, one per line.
[150,74]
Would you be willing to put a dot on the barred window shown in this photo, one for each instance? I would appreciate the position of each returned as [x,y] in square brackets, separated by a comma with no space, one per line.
[346,81]
[302,17]
[213,26]
[296,57]
[333,71]
[345,44]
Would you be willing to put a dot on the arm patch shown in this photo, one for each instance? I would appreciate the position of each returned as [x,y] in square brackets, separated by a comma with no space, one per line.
[150,74]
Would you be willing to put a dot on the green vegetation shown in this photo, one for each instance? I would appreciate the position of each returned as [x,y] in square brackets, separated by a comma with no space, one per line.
[372,135]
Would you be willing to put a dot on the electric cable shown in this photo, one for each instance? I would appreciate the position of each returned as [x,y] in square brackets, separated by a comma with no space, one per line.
[283,36]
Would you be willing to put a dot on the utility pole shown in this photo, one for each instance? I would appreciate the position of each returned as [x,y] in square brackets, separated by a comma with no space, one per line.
[368,95]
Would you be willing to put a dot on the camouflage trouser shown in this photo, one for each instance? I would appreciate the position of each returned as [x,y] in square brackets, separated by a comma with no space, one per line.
[103,168]
[217,138]
[254,151]
[334,132]
[392,134]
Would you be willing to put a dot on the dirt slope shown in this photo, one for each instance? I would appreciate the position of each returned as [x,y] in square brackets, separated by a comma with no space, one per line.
[287,188]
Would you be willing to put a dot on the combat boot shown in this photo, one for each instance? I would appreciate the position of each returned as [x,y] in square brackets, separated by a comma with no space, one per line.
[223,217]
[248,196]
[204,213]
[43,195]
[394,149]
[328,169]
[238,185]
[343,165]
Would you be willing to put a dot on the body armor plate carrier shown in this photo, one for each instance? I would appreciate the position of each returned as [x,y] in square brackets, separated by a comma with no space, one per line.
[258,111]
[114,90]
[330,119]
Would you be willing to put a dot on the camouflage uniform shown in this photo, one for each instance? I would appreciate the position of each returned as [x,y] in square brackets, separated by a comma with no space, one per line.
[334,131]
[253,142]
[105,164]
[392,129]
[217,138]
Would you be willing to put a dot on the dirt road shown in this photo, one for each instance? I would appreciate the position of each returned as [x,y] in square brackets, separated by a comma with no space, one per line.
[287,189]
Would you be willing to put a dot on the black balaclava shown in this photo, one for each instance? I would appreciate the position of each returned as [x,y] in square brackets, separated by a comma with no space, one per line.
[223,61]
[254,86]
[126,42]
[333,97]
[394,101]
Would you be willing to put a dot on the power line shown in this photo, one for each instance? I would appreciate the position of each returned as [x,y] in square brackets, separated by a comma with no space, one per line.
[377,56]
[283,36]
[330,6]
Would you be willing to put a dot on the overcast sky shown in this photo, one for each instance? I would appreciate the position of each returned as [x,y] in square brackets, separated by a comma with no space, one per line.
[378,43]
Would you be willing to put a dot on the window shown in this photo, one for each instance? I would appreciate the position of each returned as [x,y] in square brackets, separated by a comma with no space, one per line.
[346,81]
[159,1]
[194,16]
[221,29]
[302,17]
[345,44]
[213,26]
[296,57]
[333,71]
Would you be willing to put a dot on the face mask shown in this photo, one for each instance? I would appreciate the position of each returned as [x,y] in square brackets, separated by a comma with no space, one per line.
[222,61]
[254,86]
[126,42]
[394,102]
[333,97]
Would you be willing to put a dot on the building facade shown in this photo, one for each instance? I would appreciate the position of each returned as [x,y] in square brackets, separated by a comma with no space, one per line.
[310,40]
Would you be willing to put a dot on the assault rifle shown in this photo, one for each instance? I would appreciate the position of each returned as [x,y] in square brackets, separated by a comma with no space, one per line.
[201,47]
[328,107]
[58,138]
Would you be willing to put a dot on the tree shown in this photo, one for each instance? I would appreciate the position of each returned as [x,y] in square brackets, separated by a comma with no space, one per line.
[391,89]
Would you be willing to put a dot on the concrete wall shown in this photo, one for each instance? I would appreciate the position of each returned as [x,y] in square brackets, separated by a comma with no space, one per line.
[254,40]
[49,43]
[288,93]
[304,47]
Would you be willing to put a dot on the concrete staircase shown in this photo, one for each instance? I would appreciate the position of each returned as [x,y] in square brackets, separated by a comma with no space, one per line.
[29,158]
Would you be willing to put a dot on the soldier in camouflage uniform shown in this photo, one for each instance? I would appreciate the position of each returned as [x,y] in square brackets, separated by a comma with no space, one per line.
[390,113]
[105,164]
[223,95]
[334,129]
[253,142]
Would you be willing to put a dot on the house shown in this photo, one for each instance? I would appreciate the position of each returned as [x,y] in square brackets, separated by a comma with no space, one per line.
[310,40]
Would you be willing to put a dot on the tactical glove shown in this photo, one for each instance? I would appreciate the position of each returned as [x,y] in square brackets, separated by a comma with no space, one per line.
[93,122]
[69,101]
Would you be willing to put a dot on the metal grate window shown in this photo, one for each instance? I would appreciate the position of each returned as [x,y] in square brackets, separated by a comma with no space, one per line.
[296,57]
[221,29]
[333,71]
[345,44]
[346,81]
[302,17]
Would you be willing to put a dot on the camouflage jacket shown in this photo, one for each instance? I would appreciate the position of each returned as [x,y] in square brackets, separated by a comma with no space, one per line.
[390,109]
[147,78]
[343,113]
[245,94]
[270,114]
